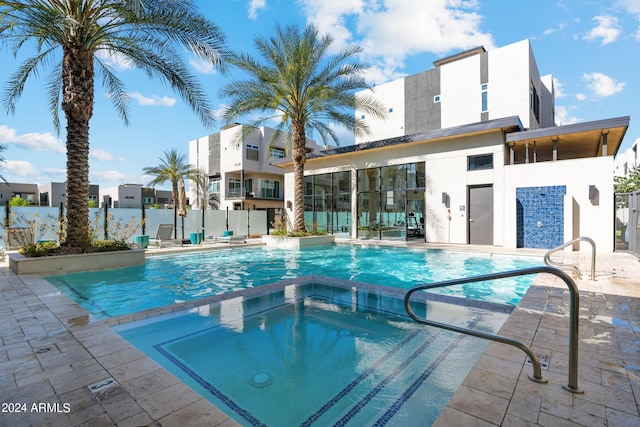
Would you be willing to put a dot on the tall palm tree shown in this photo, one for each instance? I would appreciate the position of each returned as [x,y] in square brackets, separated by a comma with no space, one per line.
[173,167]
[145,33]
[298,83]
[2,148]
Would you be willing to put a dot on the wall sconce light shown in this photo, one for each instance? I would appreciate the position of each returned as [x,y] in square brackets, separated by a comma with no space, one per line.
[593,192]
[446,200]
[289,206]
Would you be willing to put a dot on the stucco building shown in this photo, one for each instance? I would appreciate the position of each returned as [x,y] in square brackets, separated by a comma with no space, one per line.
[470,154]
[238,166]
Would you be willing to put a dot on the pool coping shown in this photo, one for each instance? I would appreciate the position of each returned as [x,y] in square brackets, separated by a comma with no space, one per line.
[496,392]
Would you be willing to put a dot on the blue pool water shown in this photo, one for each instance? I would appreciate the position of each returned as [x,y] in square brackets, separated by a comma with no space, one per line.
[317,355]
[172,279]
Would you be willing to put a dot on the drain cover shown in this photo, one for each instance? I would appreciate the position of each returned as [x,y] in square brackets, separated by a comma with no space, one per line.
[544,361]
[261,380]
[101,386]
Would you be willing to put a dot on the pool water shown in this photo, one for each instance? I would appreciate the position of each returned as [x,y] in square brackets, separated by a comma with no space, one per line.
[166,280]
[316,355]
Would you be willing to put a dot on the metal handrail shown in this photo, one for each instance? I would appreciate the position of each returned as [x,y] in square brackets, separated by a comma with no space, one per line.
[574,308]
[549,262]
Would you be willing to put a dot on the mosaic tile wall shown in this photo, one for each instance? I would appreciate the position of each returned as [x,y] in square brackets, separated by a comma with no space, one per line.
[540,216]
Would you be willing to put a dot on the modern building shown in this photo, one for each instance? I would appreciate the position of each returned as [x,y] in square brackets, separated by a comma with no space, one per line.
[9,190]
[135,196]
[53,194]
[470,155]
[238,170]
[627,161]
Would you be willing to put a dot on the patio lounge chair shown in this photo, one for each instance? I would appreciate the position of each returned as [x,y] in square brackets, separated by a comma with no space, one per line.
[231,239]
[164,234]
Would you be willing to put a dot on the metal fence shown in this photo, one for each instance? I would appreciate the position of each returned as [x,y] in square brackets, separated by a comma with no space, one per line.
[31,224]
[627,233]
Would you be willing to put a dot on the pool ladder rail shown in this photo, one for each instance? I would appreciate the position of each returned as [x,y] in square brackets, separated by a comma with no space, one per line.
[570,267]
[574,308]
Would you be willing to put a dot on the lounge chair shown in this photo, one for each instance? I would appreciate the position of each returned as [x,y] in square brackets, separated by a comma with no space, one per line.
[164,234]
[230,239]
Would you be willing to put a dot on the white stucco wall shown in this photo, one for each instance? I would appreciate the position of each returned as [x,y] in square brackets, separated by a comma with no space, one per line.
[392,96]
[583,217]
[446,172]
[460,92]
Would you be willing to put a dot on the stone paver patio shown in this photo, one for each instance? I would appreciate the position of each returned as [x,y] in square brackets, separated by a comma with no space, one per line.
[51,353]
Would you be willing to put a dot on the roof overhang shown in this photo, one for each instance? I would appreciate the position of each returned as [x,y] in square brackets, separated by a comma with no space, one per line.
[506,125]
[574,141]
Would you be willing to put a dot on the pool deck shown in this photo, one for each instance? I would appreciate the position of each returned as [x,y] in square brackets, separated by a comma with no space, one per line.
[56,365]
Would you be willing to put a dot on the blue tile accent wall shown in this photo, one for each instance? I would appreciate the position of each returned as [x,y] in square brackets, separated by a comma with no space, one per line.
[540,216]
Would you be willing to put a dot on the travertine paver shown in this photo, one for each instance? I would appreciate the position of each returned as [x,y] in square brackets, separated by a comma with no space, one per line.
[51,351]
[609,355]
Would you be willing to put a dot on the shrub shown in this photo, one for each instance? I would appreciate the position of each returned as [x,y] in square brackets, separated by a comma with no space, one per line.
[39,249]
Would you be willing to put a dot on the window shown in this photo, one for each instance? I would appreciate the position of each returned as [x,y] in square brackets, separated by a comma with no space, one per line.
[535,102]
[480,162]
[269,189]
[214,185]
[436,99]
[148,200]
[276,153]
[485,106]
[391,109]
[235,187]
[248,186]
[251,152]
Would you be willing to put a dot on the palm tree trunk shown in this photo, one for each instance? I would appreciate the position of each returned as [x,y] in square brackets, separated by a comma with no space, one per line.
[77,104]
[299,156]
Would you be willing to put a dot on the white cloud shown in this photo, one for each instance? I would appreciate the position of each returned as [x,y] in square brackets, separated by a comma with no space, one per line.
[602,85]
[153,100]
[115,60]
[558,88]
[31,141]
[631,6]
[108,176]
[19,168]
[607,29]
[102,155]
[391,30]
[564,117]
[581,97]
[202,66]
[255,6]
[561,26]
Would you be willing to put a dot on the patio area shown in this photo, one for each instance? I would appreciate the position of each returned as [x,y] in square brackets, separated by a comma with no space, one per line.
[59,368]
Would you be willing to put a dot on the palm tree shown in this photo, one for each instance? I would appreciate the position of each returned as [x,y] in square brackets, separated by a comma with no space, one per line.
[2,148]
[145,33]
[300,85]
[173,167]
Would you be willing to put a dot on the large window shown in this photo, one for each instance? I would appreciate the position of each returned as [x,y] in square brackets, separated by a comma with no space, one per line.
[480,162]
[252,152]
[235,187]
[391,201]
[269,189]
[327,202]
[276,153]
[214,185]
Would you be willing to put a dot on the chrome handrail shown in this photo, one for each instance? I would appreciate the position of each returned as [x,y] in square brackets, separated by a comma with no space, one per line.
[549,262]
[574,308]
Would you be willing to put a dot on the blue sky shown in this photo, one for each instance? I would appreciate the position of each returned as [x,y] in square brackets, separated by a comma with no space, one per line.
[590,47]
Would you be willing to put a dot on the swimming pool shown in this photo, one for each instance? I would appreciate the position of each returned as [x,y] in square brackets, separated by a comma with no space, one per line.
[165,280]
[315,354]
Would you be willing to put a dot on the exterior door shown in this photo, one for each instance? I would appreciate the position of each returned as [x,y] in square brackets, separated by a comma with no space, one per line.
[480,215]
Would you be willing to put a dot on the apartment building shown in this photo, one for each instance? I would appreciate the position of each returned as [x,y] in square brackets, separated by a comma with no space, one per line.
[470,154]
[53,194]
[238,166]
[9,190]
